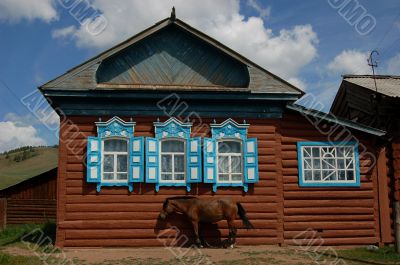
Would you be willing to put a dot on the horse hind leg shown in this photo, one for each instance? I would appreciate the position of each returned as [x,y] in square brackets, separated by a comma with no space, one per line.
[196,233]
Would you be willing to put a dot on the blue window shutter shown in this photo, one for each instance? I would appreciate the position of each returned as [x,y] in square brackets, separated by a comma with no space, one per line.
[93,159]
[210,169]
[152,165]
[194,160]
[136,159]
[250,161]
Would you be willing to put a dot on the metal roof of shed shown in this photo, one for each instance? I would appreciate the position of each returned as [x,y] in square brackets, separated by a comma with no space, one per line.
[388,85]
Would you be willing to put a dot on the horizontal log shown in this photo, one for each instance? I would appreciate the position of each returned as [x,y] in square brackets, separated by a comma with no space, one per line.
[147,207]
[159,199]
[328,194]
[153,242]
[71,216]
[322,218]
[329,203]
[333,241]
[153,224]
[151,233]
[309,234]
[328,210]
[339,225]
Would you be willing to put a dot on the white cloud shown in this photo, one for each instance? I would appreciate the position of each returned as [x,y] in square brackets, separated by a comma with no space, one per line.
[14,136]
[283,53]
[262,11]
[393,66]
[297,82]
[64,32]
[350,62]
[16,10]
[47,117]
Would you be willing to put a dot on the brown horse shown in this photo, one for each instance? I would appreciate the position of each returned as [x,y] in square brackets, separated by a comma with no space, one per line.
[207,211]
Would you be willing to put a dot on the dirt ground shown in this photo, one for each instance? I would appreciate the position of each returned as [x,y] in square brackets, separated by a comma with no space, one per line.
[240,255]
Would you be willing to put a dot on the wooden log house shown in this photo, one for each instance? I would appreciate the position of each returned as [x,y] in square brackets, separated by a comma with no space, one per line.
[172,111]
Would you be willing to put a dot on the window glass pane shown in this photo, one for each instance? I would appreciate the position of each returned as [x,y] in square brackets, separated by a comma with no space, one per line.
[341,175]
[223,164]
[315,152]
[307,152]
[166,176]
[229,147]
[179,176]
[340,164]
[317,175]
[179,164]
[108,176]
[122,163]
[115,145]
[307,174]
[236,164]
[340,151]
[172,146]
[122,176]
[307,163]
[236,177]
[223,177]
[349,163]
[350,175]
[166,163]
[108,163]
[316,163]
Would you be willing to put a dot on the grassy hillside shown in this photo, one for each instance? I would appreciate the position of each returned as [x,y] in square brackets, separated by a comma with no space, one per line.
[39,160]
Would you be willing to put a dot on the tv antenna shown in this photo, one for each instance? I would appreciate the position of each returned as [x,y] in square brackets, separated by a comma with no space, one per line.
[374,64]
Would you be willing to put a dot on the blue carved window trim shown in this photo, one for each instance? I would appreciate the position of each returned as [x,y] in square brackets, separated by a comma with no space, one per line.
[115,128]
[338,169]
[230,130]
[173,129]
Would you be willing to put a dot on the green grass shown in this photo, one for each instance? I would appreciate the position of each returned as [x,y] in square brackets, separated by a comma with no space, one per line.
[12,172]
[32,233]
[385,254]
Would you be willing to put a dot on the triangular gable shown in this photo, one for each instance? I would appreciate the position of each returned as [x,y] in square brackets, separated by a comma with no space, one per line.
[247,76]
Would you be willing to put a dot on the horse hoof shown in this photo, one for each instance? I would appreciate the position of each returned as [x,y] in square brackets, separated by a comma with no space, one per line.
[232,246]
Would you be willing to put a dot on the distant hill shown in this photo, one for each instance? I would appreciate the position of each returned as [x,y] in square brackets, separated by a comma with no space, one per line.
[24,163]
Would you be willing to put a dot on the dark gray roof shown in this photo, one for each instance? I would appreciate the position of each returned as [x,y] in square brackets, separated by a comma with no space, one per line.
[388,85]
[334,119]
[83,77]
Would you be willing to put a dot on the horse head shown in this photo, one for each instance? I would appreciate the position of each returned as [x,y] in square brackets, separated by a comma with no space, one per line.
[167,209]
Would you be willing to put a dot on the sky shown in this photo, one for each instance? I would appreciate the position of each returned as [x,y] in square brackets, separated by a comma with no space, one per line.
[310,43]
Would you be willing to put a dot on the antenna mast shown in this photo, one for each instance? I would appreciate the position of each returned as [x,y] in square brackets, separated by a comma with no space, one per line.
[373,63]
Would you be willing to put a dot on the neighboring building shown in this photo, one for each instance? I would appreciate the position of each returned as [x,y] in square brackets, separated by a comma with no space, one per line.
[171,112]
[375,101]
[32,200]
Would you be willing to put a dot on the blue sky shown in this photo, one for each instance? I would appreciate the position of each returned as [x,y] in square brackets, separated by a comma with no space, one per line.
[308,43]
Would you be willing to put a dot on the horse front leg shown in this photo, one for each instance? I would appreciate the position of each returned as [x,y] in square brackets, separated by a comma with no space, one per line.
[196,233]
[232,233]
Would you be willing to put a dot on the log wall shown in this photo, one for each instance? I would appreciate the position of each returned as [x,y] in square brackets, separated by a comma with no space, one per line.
[277,207]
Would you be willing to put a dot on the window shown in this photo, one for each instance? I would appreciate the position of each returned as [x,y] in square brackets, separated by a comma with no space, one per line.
[115,160]
[328,164]
[172,160]
[230,158]
[115,157]
[230,161]
[173,157]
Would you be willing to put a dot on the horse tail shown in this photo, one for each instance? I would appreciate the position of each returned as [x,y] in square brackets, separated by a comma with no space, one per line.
[243,216]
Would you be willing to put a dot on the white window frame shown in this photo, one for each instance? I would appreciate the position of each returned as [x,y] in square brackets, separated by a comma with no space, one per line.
[115,154]
[241,154]
[327,182]
[184,153]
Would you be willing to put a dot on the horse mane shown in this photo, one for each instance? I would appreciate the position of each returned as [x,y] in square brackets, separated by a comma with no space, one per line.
[177,198]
